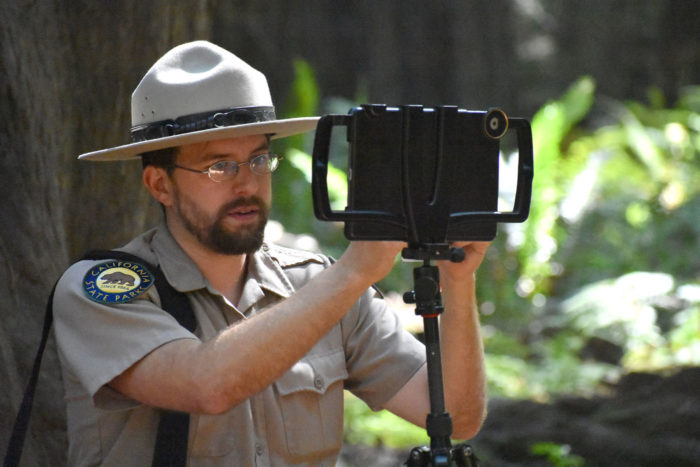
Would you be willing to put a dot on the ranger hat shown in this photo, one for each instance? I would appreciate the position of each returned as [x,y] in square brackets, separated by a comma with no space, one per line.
[199,92]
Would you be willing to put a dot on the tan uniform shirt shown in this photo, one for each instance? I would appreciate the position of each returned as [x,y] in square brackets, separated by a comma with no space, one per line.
[298,420]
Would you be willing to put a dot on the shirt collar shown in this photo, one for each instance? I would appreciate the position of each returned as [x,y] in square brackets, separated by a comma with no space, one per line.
[179,269]
[266,271]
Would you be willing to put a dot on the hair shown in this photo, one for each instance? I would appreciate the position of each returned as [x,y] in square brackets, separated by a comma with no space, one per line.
[163,158]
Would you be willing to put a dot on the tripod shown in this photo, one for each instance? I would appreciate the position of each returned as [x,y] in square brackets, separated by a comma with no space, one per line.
[424,175]
[428,300]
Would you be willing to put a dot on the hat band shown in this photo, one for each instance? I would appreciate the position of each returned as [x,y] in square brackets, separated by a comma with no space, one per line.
[201,121]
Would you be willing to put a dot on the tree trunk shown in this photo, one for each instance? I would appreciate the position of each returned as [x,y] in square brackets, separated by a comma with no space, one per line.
[66,77]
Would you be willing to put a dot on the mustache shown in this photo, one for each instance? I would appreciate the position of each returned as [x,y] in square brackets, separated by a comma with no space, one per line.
[245,201]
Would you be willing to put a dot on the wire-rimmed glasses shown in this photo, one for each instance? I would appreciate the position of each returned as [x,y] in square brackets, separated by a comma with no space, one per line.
[220,171]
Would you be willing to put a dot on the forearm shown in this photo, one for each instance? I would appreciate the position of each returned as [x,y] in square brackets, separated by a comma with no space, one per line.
[215,375]
[462,357]
[263,349]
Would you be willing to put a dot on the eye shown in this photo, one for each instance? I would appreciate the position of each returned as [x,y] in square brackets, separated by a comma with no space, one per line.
[260,163]
[224,168]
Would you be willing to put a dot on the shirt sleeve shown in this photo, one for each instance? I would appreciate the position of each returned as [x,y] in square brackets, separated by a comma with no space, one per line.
[97,342]
[381,356]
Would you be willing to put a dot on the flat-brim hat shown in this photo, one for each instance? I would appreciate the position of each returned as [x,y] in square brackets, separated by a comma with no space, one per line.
[200,92]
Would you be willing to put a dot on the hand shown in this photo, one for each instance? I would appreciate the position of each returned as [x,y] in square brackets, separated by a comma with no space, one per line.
[474,255]
[371,259]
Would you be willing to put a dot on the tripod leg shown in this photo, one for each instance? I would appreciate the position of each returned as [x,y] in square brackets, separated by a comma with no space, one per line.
[464,456]
[438,423]
[426,296]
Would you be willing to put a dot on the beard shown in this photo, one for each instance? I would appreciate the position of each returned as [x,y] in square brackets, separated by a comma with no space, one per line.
[214,235]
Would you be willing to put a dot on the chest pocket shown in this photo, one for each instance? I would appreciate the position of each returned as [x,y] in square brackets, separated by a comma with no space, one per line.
[310,397]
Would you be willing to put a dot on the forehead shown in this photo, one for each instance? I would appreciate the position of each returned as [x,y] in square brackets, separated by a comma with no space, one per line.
[239,148]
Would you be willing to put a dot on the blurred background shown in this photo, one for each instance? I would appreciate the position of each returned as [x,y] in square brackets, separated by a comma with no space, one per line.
[590,309]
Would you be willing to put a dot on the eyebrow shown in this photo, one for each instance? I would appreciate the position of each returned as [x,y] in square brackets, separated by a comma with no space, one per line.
[265,146]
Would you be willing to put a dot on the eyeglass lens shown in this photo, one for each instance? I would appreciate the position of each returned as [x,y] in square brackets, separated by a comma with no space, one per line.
[261,165]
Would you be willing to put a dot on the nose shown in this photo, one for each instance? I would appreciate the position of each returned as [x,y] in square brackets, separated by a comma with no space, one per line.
[246,182]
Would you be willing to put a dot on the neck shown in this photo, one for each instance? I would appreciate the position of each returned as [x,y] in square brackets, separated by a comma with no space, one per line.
[224,272]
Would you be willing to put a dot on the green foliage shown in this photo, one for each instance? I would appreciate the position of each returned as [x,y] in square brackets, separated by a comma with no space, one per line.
[609,250]
[293,206]
[362,426]
[542,369]
[683,341]
[630,312]
[637,178]
[305,92]
[337,180]
[558,455]
[551,127]
[644,202]
[613,202]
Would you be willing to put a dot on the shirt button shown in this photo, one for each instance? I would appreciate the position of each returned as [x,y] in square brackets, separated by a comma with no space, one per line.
[258,449]
[318,382]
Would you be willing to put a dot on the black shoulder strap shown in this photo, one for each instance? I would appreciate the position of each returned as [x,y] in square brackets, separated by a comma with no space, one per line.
[19,430]
[173,427]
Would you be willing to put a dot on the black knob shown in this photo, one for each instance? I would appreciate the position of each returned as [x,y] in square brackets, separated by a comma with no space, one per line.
[409,297]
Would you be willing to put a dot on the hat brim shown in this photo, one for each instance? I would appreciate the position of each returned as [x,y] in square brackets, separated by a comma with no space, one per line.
[275,128]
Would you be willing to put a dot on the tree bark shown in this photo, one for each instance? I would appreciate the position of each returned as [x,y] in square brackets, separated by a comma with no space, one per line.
[67,72]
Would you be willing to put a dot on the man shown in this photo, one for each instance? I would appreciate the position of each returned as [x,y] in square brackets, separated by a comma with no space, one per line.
[280,333]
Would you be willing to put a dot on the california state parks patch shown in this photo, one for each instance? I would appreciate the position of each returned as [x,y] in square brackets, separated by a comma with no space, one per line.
[116,281]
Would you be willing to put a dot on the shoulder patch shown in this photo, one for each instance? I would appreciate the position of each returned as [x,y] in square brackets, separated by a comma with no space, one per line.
[116,281]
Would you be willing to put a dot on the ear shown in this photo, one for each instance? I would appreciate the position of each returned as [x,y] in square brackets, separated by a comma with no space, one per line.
[158,183]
